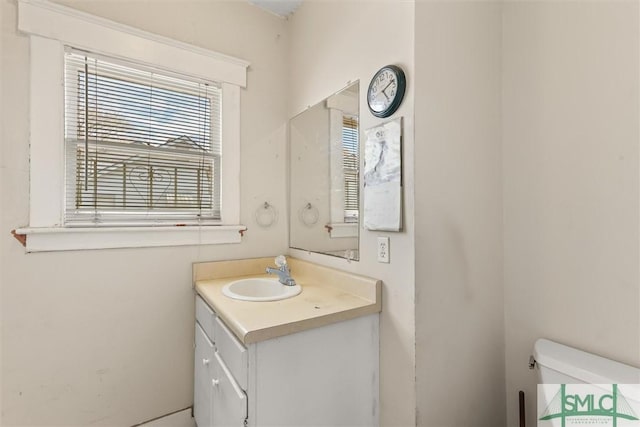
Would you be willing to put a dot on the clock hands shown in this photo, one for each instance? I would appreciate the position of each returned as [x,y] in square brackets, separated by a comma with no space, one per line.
[385,88]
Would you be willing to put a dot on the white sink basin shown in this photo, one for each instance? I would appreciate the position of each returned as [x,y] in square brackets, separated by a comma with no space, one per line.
[259,289]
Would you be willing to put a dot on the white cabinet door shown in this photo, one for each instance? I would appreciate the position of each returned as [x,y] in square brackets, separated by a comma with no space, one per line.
[232,352]
[203,374]
[229,401]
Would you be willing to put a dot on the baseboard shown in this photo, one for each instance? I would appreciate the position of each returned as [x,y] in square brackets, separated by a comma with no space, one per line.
[180,418]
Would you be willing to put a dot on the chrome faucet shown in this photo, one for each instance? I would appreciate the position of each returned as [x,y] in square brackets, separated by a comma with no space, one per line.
[284,276]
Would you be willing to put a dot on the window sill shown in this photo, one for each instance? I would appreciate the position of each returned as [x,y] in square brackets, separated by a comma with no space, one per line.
[343,229]
[46,239]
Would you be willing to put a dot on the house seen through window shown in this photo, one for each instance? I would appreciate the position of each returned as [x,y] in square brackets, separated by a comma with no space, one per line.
[140,145]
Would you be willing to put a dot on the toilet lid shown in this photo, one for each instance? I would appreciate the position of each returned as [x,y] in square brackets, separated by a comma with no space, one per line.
[583,366]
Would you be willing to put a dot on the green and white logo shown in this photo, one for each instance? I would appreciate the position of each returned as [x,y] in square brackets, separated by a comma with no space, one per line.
[563,405]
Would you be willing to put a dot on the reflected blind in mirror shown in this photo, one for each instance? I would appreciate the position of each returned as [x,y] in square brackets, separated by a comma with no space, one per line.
[141,145]
[350,165]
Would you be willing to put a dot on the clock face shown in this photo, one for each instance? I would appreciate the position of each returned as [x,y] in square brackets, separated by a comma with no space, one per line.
[386,91]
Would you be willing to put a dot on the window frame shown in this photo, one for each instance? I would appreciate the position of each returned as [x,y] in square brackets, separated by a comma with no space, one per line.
[349,217]
[52,27]
[137,217]
[340,105]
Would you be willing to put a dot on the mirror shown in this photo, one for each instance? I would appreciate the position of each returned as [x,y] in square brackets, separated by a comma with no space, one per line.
[324,162]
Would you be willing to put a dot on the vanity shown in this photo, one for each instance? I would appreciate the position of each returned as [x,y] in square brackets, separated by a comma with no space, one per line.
[307,360]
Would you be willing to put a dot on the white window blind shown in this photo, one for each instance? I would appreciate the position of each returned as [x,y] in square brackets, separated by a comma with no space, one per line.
[141,146]
[350,164]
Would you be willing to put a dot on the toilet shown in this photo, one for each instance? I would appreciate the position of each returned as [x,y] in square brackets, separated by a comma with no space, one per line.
[576,385]
[560,364]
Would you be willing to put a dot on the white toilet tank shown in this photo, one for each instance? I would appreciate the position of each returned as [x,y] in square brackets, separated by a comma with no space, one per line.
[561,364]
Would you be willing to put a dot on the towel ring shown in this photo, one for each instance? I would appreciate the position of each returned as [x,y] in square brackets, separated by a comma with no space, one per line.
[308,215]
[266,215]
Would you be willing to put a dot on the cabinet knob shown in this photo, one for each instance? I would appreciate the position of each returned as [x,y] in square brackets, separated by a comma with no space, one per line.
[205,361]
[215,382]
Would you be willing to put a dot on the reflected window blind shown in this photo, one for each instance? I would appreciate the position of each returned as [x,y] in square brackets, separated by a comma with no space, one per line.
[141,146]
[350,166]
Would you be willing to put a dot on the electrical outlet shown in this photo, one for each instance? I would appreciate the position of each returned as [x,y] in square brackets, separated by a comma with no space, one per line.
[383,249]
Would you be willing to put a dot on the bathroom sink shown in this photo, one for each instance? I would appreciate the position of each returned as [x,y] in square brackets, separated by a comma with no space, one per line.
[258,289]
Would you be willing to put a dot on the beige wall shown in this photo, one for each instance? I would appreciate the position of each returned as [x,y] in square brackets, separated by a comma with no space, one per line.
[309,157]
[571,181]
[458,242]
[329,49]
[105,337]
[527,121]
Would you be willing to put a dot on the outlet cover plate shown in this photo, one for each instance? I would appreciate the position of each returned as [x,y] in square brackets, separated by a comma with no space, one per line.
[383,249]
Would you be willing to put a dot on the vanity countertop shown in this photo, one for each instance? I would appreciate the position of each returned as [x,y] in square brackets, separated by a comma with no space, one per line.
[328,296]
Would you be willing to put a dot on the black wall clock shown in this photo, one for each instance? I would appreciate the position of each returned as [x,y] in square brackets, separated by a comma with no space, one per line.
[386,91]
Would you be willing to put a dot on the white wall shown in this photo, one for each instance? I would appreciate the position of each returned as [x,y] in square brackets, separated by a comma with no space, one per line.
[309,157]
[3,27]
[105,337]
[551,87]
[331,46]
[459,292]
[571,182]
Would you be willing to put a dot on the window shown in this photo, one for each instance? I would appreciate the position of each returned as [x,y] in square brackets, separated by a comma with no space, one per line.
[131,141]
[344,163]
[350,165]
[139,145]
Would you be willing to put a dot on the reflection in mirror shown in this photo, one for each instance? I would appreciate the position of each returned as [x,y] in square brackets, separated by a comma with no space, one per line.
[324,174]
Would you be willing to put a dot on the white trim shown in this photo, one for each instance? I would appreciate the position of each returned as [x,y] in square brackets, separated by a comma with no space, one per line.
[51,28]
[336,165]
[44,239]
[343,229]
[230,164]
[99,35]
[46,195]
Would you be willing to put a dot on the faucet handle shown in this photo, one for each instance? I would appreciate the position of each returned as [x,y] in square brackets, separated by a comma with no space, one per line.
[281,260]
